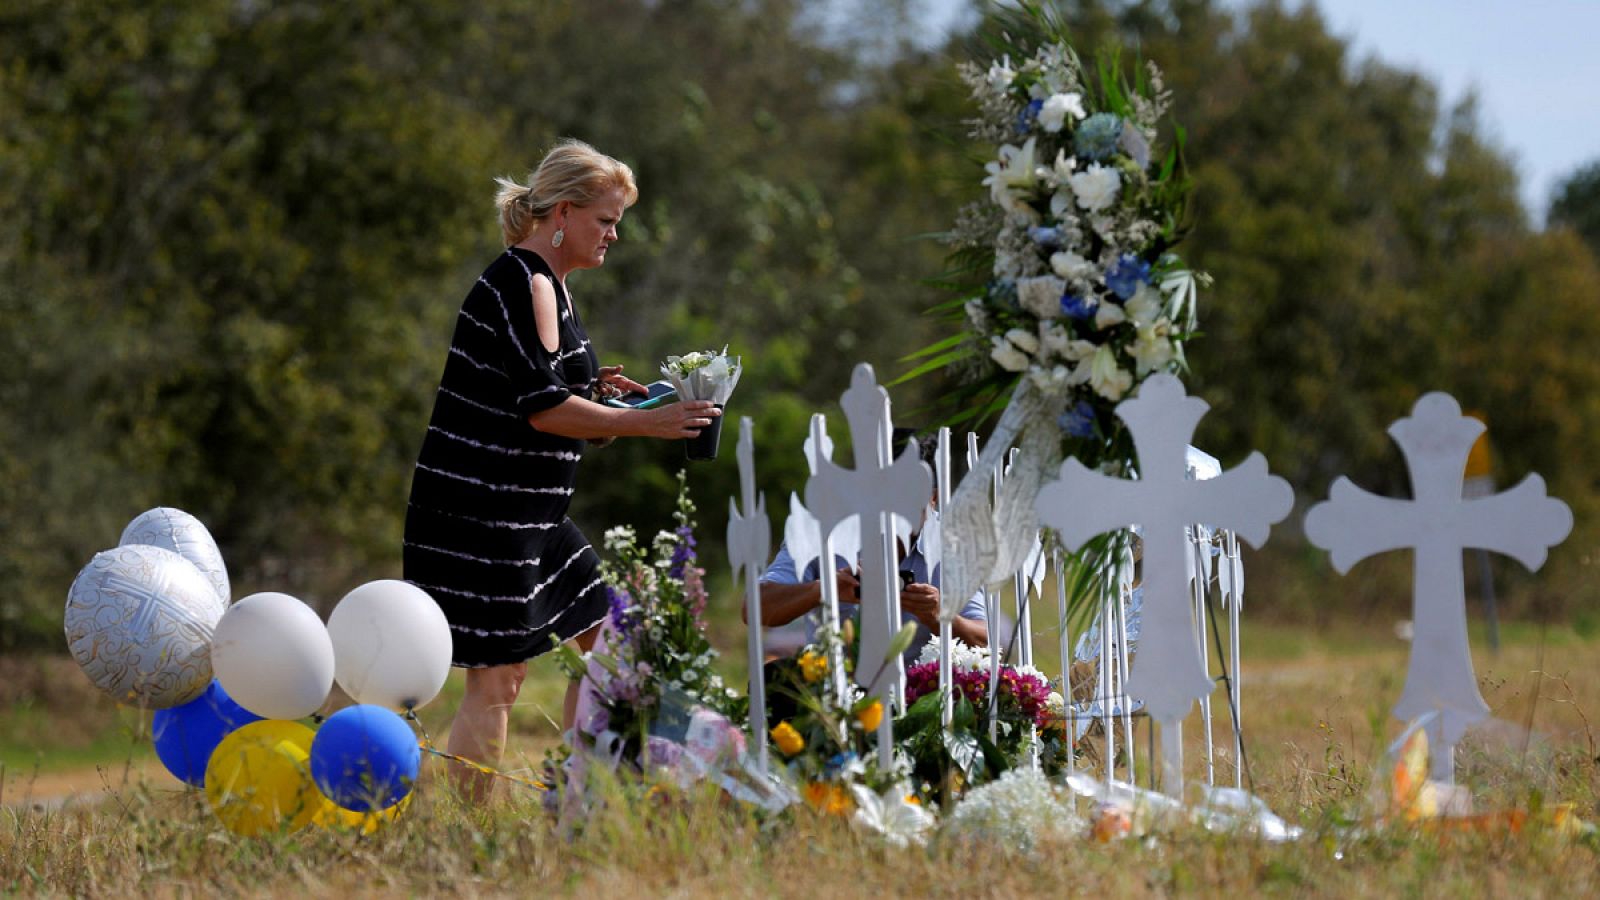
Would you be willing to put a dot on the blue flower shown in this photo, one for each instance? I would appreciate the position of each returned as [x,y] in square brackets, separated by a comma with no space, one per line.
[1078,421]
[1046,237]
[1075,307]
[838,761]
[1097,137]
[1028,116]
[1125,277]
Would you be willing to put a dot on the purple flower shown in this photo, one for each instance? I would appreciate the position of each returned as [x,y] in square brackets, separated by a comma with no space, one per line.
[1078,421]
[1125,277]
[683,554]
[621,605]
[1075,307]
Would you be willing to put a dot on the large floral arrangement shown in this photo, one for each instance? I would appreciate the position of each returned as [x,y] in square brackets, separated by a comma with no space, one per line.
[1072,290]
[1083,293]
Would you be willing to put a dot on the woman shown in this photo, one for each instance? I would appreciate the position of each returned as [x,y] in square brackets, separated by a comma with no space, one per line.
[487,533]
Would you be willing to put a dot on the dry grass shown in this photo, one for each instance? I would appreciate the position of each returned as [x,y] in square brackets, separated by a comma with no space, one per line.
[1317,723]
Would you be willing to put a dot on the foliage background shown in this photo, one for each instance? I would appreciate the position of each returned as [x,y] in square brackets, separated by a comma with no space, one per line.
[234,236]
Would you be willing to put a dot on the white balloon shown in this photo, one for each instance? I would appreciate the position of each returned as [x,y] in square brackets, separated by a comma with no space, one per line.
[139,621]
[273,656]
[391,645]
[183,534]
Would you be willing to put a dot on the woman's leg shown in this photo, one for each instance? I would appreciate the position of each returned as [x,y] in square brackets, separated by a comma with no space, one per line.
[479,730]
[569,706]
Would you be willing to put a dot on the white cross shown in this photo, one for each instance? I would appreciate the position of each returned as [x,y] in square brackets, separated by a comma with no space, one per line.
[1439,524]
[1168,672]
[876,490]
[749,537]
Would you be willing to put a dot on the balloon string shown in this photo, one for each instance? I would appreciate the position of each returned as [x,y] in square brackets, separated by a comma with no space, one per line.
[426,743]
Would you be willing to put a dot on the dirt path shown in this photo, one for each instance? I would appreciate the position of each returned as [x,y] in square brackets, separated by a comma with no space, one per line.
[91,785]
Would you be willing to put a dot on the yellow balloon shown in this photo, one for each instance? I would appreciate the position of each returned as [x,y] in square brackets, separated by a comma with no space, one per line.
[333,817]
[259,778]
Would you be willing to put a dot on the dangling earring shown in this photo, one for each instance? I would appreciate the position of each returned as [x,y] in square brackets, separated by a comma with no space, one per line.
[558,237]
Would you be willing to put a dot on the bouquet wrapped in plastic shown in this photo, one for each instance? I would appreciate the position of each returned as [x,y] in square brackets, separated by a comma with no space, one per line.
[704,375]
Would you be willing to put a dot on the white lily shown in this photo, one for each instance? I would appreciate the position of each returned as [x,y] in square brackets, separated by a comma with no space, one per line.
[893,814]
[1012,172]
[1108,379]
[1152,349]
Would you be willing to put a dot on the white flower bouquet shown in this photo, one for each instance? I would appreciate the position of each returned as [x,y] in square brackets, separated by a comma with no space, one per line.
[704,375]
[1074,283]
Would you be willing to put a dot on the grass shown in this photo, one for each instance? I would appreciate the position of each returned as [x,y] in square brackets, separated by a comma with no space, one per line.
[1317,723]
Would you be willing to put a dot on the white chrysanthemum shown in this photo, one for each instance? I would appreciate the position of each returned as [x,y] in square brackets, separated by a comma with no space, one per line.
[1096,187]
[1108,379]
[1024,340]
[1041,296]
[1007,355]
[1070,265]
[1021,810]
[1054,113]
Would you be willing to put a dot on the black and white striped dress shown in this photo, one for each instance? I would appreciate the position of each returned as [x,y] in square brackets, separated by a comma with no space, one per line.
[487,533]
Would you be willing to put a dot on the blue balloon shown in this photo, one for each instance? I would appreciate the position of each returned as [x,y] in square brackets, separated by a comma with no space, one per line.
[185,736]
[365,758]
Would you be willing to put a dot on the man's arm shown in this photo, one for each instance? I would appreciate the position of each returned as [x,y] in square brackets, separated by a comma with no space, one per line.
[783,603]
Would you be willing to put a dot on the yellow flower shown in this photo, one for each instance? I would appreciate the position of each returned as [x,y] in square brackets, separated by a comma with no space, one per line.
[871,715]
[787,739]
[825,797]
[813,666]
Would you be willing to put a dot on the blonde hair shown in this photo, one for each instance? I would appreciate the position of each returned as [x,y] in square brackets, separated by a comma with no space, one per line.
[571,171]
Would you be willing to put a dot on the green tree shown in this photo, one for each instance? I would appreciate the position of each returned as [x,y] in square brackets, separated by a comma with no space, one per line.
[1577,204]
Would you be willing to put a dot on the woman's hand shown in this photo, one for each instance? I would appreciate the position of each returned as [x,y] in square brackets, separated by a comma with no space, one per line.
[614,384]
[677,420]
